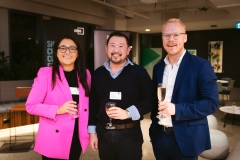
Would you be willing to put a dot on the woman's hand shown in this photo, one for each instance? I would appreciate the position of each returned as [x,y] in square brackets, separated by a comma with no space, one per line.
[68,107]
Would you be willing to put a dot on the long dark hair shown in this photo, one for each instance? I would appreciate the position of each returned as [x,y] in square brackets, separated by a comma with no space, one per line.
[79,64]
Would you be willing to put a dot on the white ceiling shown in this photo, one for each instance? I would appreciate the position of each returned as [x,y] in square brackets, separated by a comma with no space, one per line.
[196,14]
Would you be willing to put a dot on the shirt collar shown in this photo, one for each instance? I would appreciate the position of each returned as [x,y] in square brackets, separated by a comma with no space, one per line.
[107,64]
[179,60]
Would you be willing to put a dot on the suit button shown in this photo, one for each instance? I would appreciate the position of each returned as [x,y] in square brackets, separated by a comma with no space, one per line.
[57,130]
[85,110]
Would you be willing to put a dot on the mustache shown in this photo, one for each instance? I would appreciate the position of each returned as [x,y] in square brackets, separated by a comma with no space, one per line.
[114,53]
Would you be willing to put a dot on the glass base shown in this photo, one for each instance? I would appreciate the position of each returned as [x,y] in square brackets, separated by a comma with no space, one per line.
[162,116]
[74,115]
[109,126]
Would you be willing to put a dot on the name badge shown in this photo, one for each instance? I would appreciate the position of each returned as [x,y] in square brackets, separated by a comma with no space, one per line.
[115,95]
[74,90]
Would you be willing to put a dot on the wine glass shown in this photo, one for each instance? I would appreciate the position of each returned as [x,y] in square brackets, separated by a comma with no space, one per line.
[234,106]
[109,105]
[75,115]
[161,93]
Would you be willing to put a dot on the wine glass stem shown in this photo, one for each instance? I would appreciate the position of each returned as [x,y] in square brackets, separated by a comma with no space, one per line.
[110,121]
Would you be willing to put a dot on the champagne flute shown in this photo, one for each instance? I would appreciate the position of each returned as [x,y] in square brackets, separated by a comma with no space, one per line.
[161,93]
[109,105]
[75,115]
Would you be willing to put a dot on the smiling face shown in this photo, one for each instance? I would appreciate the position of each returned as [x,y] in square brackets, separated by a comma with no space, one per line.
[65,57]
[174,37]
[117,50]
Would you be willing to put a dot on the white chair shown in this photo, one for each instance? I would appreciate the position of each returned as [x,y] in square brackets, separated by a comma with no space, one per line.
[220,146]
[212,122]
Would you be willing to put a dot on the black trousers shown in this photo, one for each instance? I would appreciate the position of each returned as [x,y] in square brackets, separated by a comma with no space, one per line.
[76,148]
[165,146]
[119,144]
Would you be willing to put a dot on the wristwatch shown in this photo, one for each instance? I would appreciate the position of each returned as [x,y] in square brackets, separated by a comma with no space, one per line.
[128,114]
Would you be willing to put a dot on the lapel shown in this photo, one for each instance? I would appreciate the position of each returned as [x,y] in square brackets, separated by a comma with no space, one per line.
[81,96]
[63,85]
[184,66]
[160,72]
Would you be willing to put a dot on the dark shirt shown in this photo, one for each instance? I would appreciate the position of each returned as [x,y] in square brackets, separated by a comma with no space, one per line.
[72,82]
[75,149]
[135,86]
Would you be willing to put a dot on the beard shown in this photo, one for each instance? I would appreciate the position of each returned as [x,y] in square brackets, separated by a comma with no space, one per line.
[117,60]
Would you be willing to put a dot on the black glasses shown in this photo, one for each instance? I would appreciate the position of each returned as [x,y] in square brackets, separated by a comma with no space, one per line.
[64,49]
[176,36]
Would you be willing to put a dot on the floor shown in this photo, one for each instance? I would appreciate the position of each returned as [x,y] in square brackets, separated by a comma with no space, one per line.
[231,130]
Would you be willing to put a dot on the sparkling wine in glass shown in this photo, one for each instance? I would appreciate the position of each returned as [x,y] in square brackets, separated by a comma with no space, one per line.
[161,93]
[75,115]
[109,105]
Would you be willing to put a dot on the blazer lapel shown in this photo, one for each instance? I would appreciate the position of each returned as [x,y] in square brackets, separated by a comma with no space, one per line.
[63,85]
[160,72]
[184,66]
[81,97]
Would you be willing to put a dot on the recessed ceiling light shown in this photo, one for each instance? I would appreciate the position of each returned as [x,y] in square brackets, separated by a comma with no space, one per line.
[147,30]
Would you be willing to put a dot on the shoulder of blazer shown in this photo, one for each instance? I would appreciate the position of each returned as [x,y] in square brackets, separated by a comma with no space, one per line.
[45,70]
[44,73]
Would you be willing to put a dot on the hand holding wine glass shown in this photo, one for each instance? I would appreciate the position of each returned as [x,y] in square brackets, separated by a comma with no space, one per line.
[161,93]
[75,115]
[109,105]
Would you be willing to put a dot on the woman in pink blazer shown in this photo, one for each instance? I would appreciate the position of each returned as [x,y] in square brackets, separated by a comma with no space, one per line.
[59,96]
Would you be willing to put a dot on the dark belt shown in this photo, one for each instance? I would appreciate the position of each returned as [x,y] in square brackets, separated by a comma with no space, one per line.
[167,129]
[124,126]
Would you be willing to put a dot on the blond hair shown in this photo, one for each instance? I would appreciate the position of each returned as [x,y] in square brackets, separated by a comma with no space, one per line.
[174,20]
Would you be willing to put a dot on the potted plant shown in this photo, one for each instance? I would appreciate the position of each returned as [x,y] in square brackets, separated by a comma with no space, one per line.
[5,70]
[19,71]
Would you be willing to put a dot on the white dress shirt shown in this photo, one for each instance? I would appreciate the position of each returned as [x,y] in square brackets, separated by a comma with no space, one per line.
[169,77]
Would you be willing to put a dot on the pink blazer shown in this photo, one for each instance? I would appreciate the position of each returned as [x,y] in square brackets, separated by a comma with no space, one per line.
[55,131]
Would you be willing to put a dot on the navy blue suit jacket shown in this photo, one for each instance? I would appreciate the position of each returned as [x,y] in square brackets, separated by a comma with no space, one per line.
[195,96]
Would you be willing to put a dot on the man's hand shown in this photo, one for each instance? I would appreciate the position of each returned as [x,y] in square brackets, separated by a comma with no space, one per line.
[94,141]
[166,108]
[117,113]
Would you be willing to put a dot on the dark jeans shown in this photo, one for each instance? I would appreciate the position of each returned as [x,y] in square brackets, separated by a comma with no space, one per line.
[120,144]
[165,147]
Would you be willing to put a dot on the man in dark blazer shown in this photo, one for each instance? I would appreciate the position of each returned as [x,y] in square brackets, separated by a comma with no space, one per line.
[191,95]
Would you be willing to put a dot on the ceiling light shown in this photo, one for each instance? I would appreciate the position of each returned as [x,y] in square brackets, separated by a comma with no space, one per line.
[147,30]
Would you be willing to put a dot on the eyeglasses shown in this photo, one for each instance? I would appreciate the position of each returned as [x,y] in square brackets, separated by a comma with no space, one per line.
[64,49]
[176,36]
